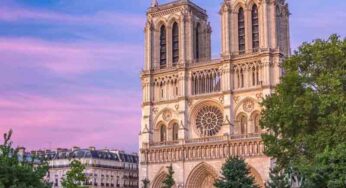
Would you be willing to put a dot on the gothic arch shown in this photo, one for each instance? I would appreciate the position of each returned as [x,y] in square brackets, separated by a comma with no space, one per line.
[237,110]
[258,178]
[242,123]
[159,23]
[254,118]
[158,180]
[254,113]
[203,103]
[202,176]
[159,115]
[172,19]
[237,5]
[251,3]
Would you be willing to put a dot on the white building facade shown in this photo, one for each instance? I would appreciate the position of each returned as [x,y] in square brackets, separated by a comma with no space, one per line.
[198,111]
[104,168]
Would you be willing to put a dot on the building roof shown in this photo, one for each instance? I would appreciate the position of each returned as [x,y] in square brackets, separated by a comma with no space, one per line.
[77,153]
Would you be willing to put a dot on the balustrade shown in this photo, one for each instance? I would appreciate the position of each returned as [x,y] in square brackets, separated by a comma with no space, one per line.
[208,148]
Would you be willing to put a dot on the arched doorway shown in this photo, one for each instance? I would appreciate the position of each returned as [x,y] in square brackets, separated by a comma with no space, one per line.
[157,183]
[202,176]
[257,176]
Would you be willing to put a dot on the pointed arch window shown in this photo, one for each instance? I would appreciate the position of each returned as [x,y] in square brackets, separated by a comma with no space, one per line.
[163,133]
[243,124]
[254,76]
[163,47]
[197,41]
[175,131]
[241,78]
[255,28]
[175,43]
[256,123]
[241,31]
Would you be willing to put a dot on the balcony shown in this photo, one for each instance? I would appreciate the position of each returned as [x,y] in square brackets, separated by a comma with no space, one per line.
[208,148]
[206,140]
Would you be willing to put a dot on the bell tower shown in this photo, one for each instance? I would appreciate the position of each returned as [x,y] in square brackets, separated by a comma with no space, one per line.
[176,33]
[254,25]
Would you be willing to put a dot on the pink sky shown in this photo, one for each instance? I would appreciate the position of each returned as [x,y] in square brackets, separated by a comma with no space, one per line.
[69,70]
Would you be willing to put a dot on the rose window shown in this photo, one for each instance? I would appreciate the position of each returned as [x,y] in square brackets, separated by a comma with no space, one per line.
[209,121]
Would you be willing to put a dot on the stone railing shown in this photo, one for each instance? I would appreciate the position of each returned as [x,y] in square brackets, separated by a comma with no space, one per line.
[204,149]
[205,140]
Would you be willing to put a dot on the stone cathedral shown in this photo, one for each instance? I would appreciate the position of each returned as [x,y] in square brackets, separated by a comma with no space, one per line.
[198,111]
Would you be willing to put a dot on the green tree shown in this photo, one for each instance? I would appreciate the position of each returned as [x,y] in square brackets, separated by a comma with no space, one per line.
[75,177]
[235,174]
[329,169]
[169,181]
[306,114]
[17,171]
[278,179]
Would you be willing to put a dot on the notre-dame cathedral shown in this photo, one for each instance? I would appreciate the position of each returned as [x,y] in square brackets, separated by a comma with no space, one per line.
[198,111]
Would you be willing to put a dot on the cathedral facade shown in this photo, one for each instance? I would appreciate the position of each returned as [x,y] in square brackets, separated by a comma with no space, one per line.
[198,111]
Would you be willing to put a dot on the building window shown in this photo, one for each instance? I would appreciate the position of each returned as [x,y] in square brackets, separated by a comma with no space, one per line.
[254,76]
[175,43]
[243,124]
[197,41]
[163,134]
[175,131]
[241,31]
[255,28]
[163,47]
[256,123]
[241,78]
[205,82]
[257,76]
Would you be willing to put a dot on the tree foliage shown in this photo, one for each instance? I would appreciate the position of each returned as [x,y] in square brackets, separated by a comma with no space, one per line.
[75,177]
[169,180]
[278,179]
[306,114]
[235,174]
[329,169]
[18,171]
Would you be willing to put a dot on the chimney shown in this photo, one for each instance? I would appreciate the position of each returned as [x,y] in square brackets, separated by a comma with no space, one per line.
[21,151]
[92,148]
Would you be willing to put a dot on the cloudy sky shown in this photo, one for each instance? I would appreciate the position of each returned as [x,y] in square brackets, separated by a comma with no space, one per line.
[69,69]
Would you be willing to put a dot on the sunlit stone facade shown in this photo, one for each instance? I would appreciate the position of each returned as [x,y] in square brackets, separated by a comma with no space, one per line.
[197,111]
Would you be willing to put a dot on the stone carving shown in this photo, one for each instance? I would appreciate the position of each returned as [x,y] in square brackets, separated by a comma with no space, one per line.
[167,115]
[236,99]
[176,107]
[155,110]
[248,105]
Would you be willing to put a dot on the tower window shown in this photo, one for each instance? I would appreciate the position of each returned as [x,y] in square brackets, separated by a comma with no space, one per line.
[197,52]
[255,29]
[163,50]
[175,43]
[241,31]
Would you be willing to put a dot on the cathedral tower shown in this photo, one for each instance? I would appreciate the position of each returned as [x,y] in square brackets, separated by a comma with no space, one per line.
[198,111]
